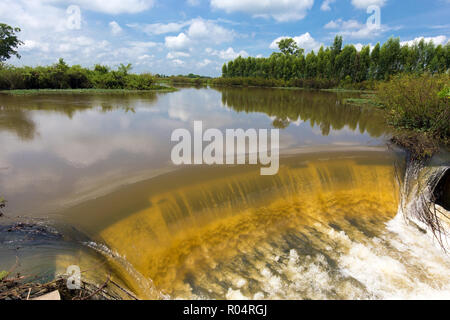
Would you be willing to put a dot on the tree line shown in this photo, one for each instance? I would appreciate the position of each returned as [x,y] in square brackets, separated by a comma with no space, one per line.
[343,63]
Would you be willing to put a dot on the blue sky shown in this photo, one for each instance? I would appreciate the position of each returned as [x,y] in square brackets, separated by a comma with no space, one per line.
[175,36]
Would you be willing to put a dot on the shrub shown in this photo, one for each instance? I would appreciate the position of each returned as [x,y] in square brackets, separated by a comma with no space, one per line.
[139,82]
[417,103]
[61,76]
[78,77]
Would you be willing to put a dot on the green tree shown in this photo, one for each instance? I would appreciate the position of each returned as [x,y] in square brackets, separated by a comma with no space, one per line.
[390,58]
[124,69]
[288,46]
[224,70]
[8,42]
[375,62]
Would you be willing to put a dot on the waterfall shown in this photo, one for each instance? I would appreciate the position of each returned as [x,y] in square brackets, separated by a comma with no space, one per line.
[418,198]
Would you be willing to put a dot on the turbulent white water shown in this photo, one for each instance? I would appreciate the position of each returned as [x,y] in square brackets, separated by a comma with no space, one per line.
[402,263]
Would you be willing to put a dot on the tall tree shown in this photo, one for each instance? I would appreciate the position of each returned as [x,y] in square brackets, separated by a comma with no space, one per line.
[8,42]
[288,46]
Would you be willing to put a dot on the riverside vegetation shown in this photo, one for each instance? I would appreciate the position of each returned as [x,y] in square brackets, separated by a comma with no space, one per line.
[62,76]
[418,108]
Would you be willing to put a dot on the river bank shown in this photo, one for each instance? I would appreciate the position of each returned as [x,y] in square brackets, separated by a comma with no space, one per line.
[153,88]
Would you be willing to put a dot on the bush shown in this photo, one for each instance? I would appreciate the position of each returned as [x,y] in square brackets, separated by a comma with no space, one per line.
[189,79]
[417,103]
[139,82]
[78,77]
[61,76]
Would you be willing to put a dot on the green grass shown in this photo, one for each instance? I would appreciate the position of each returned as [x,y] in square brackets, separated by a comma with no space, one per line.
[155,88]
[343,90]
[365,101]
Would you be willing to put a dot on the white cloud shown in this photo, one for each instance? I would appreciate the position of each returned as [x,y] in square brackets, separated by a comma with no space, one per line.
[29,45]
[179,42]
[344,25]
[326,5]
[178,62]
[143,44]
[112,6]
[436,40]
[33,15]
[177,54]
[204,63]
[280,10]
[354,29]
[331,25]
[69,44]
[228,54]
[364,4]
[359,46]
[305,41]
[115,28]
[145,57]
[160,28]
[207,30]
[131,52]
[199,31]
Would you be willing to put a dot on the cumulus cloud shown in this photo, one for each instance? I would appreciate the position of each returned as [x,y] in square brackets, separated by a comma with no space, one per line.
[51,15]
[207,30]
[286,10]
[305,41]
[227,54]
[364,4]
[29,45]
[33,15]
[354,29]
[438,40]
[326,5]
[115,28]
[196,29]
[204,63]
[199,31]
[178,42]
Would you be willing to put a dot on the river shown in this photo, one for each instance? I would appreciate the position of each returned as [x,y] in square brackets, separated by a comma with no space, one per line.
[97,169]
